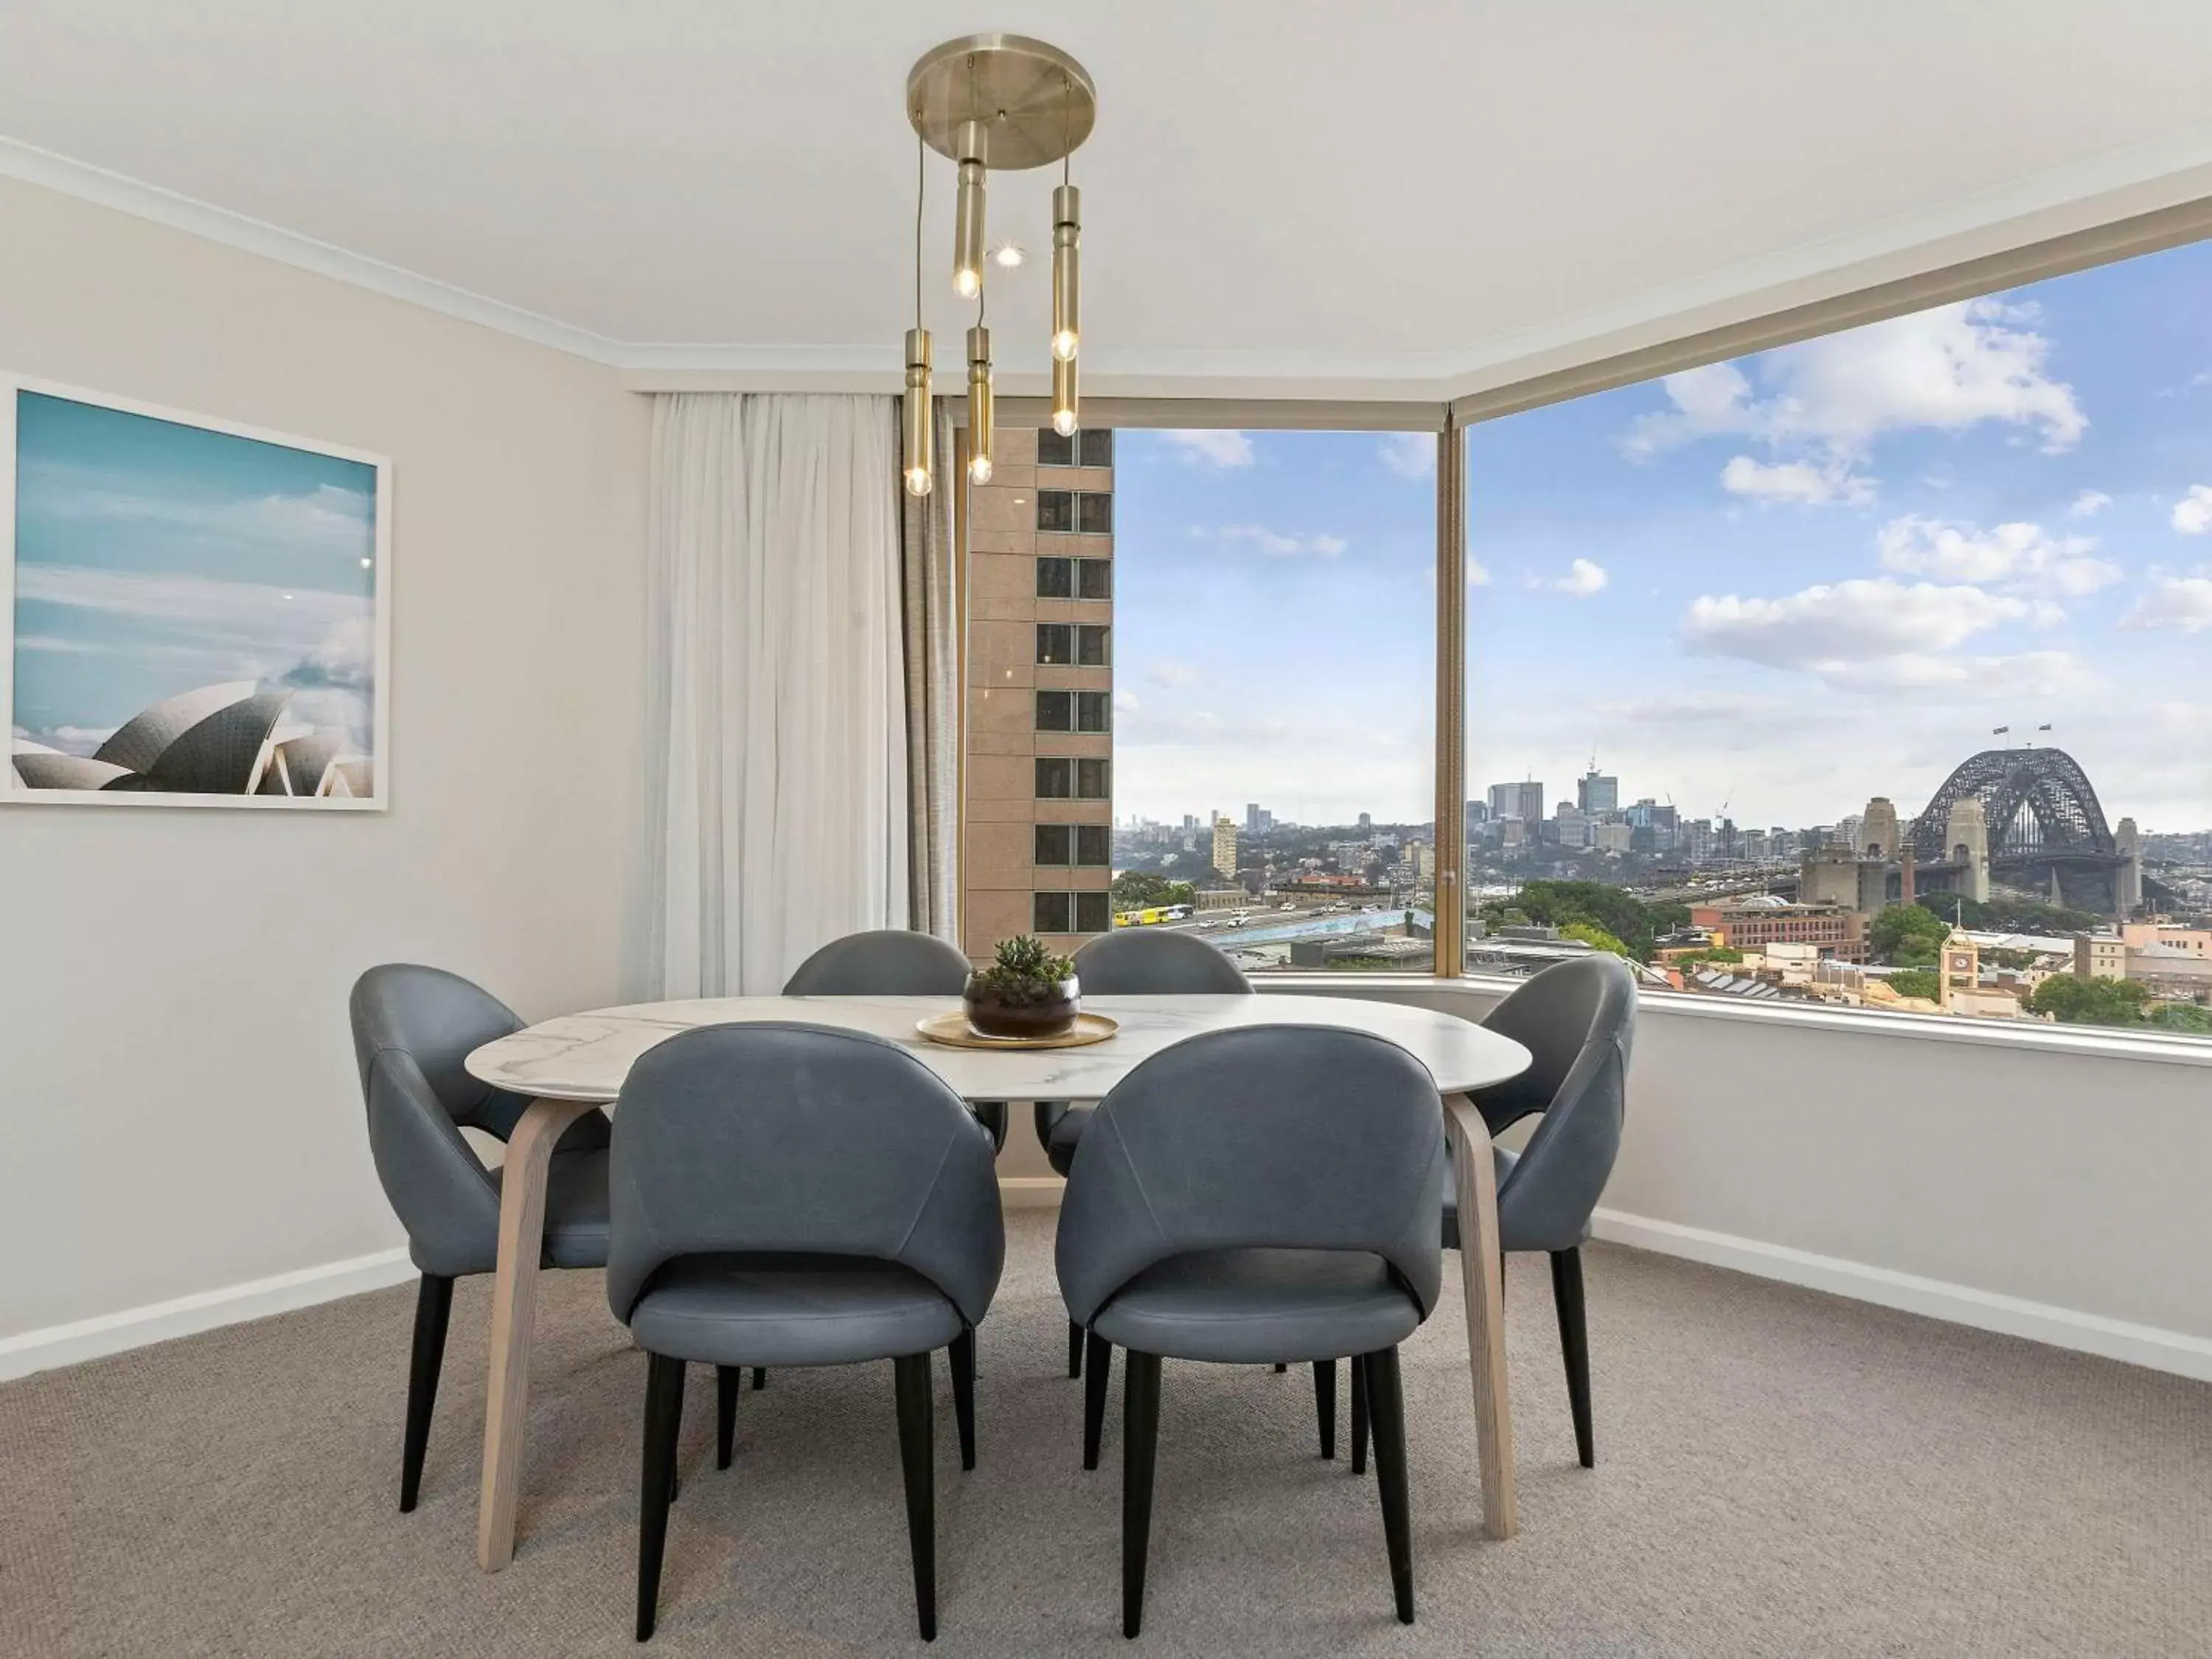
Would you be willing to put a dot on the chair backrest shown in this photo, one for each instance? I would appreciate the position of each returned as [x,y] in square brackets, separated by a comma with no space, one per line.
[413,1029]
[1578,1021]
[1281,1136]
[1145,962]
[888,963]
[781,1138]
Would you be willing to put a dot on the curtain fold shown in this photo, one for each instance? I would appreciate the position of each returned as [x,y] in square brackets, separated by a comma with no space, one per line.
[933,708]
[778,738]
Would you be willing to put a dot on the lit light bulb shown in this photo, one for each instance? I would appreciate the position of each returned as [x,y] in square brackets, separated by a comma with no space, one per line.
[918,480]
[978,469]
[1063,345]
[967,284]
[1063,422]
[1007,256]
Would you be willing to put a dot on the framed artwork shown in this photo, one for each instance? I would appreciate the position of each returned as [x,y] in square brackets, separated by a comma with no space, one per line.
[192,612]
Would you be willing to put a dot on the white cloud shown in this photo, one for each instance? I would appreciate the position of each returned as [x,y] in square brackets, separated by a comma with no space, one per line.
[1583,579]
[1677,708]
[1277,544]
[2026,673]
[2089,503]
[1211,447]
[1125,703]
[2020,556]
[1830,627]
[194,599]
[1173,675]
[1795,481]
[1409,454]
[2181,604]
[2192,514]
[1948,368]
[1478,573]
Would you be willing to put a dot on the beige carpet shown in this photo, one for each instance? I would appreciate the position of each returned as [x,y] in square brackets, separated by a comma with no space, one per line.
[1779,1473]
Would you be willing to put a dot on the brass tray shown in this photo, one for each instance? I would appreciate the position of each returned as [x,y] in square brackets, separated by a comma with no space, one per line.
[952,1031]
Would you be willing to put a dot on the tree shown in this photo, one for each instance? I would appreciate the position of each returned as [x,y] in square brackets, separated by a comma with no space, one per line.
[1631,923]
[2181,1017]
[1141,890]
[1910,930]
[1915,982]
[2009,915]
[2090,1001]
[1596,937]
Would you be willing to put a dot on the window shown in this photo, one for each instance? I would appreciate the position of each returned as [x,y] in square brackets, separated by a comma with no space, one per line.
[1074,578]
[1088,511]
[1055,778]
[1090,645]
[1056,643]
[1071,913]
[1093,711]
[1055,711]
[1084,844]
[1874,638]
[1091,448]
[1090,780]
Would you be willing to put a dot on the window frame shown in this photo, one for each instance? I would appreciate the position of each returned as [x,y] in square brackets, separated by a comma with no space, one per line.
[1603,367]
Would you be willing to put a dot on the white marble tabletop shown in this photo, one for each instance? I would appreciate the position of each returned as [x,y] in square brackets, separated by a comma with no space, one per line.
[587,1056]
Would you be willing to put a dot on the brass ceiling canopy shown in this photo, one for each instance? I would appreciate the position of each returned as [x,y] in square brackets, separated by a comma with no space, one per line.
[1001,102]
[1035,102]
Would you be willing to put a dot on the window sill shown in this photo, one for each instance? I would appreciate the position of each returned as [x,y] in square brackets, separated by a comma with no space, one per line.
[2085,1040]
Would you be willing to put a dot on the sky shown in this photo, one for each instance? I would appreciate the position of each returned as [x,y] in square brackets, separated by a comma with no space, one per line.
[1771,588]
[153,558]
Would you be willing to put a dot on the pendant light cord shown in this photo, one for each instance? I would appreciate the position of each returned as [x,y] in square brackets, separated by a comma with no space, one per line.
[920,188]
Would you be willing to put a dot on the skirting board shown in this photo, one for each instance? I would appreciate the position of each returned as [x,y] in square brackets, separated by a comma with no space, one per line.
[204,1310]
[2113,1339]
[1960,1304]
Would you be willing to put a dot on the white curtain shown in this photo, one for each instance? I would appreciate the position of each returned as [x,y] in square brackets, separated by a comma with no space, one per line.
[778,738]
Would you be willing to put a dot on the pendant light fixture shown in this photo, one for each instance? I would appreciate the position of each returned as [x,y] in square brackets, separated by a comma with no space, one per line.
[919,431]
[1005,102]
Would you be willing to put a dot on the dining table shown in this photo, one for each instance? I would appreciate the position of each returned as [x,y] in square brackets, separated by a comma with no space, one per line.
[577,1063]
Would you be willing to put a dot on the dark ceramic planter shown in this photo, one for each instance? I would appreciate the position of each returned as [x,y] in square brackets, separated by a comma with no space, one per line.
[1050,1015]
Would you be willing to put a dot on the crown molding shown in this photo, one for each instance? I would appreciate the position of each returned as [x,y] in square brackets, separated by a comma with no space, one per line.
[2054,203]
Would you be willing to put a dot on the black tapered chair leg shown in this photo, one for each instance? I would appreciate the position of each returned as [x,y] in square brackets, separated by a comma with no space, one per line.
[910,1382]
[1325,1404]
[760,1378]
[1140,1391]
[1574,1345]
[434,1307]
[1386,1411]
[1074,1349]
[963,1355]
[1098,1366]
[1358,1416]
[664,1416]
[728,1379]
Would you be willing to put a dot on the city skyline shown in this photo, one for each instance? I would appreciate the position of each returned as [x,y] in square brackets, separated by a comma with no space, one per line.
[1787,583]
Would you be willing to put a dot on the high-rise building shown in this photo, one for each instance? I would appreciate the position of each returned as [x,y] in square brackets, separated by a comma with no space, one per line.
[1366,822]
[1597,793]
[1524,801]
[1477,812]
[1224,845]
[1038,825]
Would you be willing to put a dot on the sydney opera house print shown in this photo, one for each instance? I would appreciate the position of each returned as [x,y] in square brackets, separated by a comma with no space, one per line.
[196,612]
[233,739]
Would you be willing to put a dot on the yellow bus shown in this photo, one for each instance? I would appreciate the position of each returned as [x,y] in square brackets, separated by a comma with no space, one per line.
[1151,916]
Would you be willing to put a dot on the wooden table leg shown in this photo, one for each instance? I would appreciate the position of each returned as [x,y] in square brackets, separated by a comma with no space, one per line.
[514,1303]
[1483,1276]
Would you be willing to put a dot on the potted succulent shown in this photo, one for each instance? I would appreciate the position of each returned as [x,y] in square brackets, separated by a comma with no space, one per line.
[1028,991]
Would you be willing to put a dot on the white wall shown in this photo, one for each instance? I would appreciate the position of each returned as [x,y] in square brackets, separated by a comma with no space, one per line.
[1993,1178]
[179,1110]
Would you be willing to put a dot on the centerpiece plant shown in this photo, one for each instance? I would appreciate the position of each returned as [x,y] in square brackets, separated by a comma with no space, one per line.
[1028,991]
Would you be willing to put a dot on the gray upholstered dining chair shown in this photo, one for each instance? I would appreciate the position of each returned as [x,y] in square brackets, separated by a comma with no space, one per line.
[1254,1195]
[412,1028]
[1579,1019]
[1131,963]
[790,1194]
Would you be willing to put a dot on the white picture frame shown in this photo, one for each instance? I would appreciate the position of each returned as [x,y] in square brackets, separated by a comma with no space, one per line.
[342,777]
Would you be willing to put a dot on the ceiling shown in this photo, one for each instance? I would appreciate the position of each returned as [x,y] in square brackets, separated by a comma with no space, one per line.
[1300,196]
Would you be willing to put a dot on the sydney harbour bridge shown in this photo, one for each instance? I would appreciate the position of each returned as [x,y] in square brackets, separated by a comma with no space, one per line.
[2045,830]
